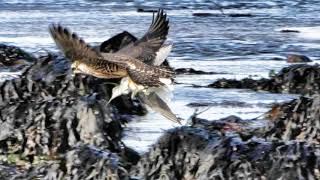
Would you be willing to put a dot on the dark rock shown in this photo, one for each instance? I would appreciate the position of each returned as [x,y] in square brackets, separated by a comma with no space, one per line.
[194,153]
[245,129]
[203,14]
[240,15]
[195,104]
[223,103]
[200,14]
[289,31]
[245,83]
[46,112]
[147,10]
[278,59]
[227,124]
[191,71]
[295,120]
[295,58]
[14,57]
[117,42]
[295,79]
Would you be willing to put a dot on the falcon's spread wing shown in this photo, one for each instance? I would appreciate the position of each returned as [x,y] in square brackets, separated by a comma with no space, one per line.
[73,47]
[147,47]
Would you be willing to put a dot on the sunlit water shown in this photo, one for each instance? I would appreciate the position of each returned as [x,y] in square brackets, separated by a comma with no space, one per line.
[233,47]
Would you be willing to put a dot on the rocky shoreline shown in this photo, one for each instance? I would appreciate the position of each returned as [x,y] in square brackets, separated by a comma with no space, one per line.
[48,117]
[296,79]
[57,126]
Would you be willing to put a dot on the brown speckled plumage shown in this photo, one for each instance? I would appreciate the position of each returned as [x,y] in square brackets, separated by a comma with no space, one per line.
[129,61]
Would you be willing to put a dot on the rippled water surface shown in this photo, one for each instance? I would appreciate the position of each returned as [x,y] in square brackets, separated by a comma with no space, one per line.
[234,47]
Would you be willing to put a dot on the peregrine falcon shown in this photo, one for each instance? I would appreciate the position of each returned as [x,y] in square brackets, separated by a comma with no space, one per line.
[137,63]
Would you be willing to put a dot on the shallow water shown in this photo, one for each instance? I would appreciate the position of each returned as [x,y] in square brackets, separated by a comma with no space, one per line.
[234,47]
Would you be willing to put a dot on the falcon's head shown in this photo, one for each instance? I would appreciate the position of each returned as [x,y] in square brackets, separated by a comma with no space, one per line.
[75,67]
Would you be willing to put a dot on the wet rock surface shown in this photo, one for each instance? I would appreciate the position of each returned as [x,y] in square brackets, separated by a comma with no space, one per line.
[295,79]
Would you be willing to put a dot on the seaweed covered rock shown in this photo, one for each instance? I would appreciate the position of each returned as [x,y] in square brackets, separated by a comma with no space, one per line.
[195,153]
[245,83]
[298,119]
[48,115]
[229,123]
[47,111]
[296,79]
[13,56]
[81,162]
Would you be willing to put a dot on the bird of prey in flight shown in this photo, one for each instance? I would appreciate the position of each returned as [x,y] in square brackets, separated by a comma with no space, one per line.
[137,64]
